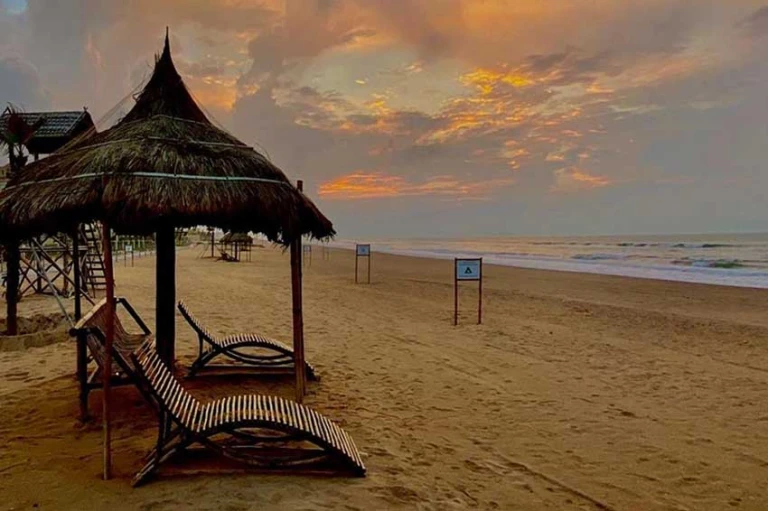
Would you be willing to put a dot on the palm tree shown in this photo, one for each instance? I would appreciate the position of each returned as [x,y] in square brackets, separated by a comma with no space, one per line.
[15,134]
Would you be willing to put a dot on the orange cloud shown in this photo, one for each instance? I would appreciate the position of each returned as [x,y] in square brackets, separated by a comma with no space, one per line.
[378,185]
[574,180]
[487,80]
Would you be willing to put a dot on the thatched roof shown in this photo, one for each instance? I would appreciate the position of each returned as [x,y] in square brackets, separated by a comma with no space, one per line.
[164,163]
[236,237]
[56,128]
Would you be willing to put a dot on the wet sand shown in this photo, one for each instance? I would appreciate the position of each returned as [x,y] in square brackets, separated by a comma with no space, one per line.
[578,392]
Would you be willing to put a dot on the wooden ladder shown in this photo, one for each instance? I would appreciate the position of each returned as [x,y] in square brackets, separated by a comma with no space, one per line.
[94,277]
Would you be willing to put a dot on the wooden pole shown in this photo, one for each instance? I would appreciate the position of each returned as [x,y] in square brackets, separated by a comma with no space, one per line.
[455,292]
[110,334]
[480,297]
[82,354]
[213,242]
[165,302]
[298,315]
[12,287]
[76,274]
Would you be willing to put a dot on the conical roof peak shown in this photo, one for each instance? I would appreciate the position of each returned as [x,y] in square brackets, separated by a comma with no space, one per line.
[166,93]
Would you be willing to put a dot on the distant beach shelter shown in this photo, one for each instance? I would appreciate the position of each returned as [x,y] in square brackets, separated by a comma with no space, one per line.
[44,264]
[233,244]
[163,166]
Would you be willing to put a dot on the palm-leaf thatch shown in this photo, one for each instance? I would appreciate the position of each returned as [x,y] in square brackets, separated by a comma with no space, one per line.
[163,164]
[236,237]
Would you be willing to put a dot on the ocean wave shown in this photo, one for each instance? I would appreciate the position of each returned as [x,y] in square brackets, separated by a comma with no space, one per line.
[725,264]
[705,245]
[599,257]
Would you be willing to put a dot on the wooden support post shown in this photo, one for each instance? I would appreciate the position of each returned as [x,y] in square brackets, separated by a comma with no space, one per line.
[165,303]
[64,273]
[213,242]
[110,335]
[455,293]
[480,296]
[13,269]
[78,278]
[38,274]
[82,351]
[298,315]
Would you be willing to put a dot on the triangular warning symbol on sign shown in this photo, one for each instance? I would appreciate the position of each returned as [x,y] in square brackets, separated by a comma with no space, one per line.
[468,271]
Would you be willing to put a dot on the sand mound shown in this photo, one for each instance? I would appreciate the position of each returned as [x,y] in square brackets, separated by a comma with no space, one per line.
[34,332]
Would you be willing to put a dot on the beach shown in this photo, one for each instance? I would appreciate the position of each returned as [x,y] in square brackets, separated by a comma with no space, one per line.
[578,391]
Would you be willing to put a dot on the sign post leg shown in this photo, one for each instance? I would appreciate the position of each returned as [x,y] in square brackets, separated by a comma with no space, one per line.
[455,293]
[480,297]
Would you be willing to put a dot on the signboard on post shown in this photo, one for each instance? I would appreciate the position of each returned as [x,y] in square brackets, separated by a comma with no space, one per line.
[308,254]
[362,251]
[129,248]
[467,270]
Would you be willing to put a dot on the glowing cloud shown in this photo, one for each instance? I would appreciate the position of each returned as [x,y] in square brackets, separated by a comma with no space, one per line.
[378,185]
[575,180]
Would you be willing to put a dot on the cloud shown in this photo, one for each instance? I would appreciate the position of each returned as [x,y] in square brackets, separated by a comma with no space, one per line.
[576,180]
[505,101]
[20,84]
[377,185]
[756,24]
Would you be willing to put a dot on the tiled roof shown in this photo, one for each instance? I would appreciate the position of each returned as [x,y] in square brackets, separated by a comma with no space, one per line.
[57,124]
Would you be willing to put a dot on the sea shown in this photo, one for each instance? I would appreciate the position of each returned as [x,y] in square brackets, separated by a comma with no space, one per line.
[721,259]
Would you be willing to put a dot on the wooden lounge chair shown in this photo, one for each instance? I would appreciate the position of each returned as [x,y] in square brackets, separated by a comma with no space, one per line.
[261,431]
[226,256]
[89,332]
[272,357]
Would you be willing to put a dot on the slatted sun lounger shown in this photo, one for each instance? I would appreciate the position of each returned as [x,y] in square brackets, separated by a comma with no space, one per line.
[254,352]
[226,256]
[89,332]
[266,432]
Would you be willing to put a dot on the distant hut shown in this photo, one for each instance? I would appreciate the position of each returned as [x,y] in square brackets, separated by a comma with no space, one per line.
[235,243]
[56,129]
[163,166]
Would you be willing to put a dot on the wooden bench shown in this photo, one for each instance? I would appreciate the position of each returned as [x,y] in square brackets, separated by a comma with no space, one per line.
[253,352]
[90,335]
[267,432]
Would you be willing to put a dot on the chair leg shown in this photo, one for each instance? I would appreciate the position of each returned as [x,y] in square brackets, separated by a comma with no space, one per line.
[84,402]
[82,378]
[145,473]
[159,457]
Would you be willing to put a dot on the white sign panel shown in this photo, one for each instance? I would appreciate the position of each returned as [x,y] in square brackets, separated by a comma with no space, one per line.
[307,248]
[129,248]
[363,250]
[468,269]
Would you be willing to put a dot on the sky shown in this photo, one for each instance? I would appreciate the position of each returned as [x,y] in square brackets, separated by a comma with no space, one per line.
[455,118]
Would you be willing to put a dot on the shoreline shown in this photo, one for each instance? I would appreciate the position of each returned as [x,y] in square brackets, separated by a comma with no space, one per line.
[743,278]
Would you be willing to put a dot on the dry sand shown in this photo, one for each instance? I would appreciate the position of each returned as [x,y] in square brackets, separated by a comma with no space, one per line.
[578,392]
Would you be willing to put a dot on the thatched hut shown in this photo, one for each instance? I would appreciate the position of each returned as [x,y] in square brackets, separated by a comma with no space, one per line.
[236,237]
[54,129]
[235,243]
[163,166]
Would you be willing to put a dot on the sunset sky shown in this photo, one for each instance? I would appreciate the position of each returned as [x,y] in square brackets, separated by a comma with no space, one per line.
[416,118]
